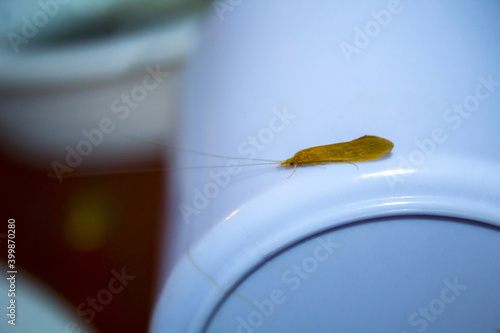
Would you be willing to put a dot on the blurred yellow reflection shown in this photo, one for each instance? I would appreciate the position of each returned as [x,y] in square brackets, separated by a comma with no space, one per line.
[90,220]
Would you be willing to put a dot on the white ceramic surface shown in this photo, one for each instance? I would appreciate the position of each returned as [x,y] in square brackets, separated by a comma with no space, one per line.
[428,78]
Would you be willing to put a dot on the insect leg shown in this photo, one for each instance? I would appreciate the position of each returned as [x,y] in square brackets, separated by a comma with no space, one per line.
[294,167]
[354,165]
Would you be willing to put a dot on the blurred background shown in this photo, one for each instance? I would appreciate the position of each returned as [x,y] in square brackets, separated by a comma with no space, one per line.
[84,85]
[87,87]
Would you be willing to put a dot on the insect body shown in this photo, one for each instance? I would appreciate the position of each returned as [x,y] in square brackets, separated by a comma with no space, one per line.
[366,148]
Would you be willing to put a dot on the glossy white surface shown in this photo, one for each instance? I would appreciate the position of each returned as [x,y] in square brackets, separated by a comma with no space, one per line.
[402,86]
[392,275]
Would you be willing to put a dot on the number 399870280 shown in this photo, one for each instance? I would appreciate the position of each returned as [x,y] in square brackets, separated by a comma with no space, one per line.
[11,234]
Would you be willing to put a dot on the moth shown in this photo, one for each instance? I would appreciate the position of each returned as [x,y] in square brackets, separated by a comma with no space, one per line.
[365,148]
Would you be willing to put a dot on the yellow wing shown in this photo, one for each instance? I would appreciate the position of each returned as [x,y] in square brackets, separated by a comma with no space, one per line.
[366,148]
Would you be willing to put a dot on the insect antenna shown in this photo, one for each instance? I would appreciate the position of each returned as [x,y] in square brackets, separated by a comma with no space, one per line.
[116,172]
[131,171]
[206,154]
[222,166]
[108,173]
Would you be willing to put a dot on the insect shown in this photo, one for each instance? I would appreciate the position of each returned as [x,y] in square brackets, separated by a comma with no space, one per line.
[365,148]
